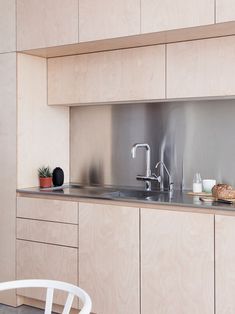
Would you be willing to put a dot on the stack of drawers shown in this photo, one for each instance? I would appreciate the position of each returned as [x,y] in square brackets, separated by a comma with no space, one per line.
[47,243]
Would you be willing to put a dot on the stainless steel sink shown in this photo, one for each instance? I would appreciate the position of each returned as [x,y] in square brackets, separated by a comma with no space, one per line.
[140,195]
[117,193]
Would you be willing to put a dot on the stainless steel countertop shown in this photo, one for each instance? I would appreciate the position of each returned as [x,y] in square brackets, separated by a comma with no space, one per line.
[114,193]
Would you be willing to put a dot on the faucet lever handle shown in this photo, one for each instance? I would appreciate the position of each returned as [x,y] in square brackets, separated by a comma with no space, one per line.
[157,177]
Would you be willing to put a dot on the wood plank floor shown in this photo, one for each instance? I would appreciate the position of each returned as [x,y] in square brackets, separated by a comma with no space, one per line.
[23,309]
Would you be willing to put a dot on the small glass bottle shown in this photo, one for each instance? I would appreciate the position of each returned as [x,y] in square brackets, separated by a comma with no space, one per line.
[197,183]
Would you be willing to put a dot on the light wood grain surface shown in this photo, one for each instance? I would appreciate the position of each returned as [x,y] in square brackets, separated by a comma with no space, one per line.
[201,68]
[45,261]
[108,19]
[8,26]
[8,171]
[47,143]
[46,23]
[157,15]
[225,264]
[109,257]
[225,10]
[47,232]
[177,262]
[156,38]
[121,75]
[47,209]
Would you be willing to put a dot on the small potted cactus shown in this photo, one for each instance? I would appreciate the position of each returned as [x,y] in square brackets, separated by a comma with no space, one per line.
[45,177]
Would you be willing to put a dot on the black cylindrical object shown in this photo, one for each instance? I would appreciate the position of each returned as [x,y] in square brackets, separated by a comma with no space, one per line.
[58,176]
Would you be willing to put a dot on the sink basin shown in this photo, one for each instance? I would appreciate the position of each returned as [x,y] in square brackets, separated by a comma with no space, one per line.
[139,195]
[116,193]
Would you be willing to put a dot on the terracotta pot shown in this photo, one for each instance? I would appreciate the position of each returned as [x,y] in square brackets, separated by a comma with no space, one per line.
[45,182]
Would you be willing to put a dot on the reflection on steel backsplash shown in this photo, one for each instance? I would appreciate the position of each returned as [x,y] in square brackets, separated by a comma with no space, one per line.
[188,137]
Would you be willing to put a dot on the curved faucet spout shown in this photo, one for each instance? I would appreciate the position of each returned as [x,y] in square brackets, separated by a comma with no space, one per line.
[147,147]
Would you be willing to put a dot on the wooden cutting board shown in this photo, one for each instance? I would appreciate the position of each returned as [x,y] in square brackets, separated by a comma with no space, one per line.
[207,197]
[199,194]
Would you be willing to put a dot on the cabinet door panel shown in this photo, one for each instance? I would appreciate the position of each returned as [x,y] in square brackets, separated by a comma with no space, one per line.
[104,77]
[8,109]
[177,262]
[47,232]
[108,19]
[158,15]
[225,264]
[7,26]
[45,261]
[201,68]
[46,23]
[46,209]
[225,10]
[109,257]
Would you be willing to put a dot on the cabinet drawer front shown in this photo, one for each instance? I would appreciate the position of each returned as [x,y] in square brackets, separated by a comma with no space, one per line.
[48,232]
[45,261]
[45,209]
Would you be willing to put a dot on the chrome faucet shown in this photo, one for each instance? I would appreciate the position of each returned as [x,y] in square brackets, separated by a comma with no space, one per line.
[149,177]
[170,182]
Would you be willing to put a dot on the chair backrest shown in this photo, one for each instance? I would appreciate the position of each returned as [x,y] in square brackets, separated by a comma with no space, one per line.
[52,285]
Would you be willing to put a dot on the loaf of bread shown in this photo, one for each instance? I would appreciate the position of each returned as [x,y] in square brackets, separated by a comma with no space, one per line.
[223,191]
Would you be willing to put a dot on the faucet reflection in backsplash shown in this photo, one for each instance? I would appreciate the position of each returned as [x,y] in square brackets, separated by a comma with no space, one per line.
[149,177]
[170,182]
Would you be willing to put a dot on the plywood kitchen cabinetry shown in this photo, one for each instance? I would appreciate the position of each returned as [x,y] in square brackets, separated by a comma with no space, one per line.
[47,243]
[202,68]
[109,257]
[46,23]
[114,76]
[129,259]
[108,19]
[8,109]
[225,10]
[158,15]
[40,145]
[177,262]
[8,26]
[225,264]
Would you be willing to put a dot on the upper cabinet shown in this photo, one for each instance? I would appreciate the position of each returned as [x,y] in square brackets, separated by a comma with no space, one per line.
[225,10]
[7,26]
[158,15]
[46,23]
[108,19]
[112,76]
[201,68]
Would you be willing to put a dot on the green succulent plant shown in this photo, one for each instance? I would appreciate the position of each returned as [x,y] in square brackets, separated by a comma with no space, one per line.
[44,172]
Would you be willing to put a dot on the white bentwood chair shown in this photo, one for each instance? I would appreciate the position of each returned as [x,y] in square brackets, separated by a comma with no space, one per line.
[51,285]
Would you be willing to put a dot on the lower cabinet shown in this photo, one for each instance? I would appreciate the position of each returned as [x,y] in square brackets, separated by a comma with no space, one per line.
[225,264]
[45,261]
[47,244]
[109,257]
[177,262]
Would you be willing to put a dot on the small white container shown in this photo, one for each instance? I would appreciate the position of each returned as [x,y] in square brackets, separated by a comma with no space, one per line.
[208,185]
[197,183]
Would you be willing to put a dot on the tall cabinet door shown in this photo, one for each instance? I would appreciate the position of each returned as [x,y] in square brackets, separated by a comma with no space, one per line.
[8,113]
[109,257]
[225,264]
[158,15]
[108,19]
[177,262]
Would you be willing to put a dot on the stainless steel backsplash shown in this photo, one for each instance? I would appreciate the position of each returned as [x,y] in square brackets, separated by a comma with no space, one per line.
[190,137]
